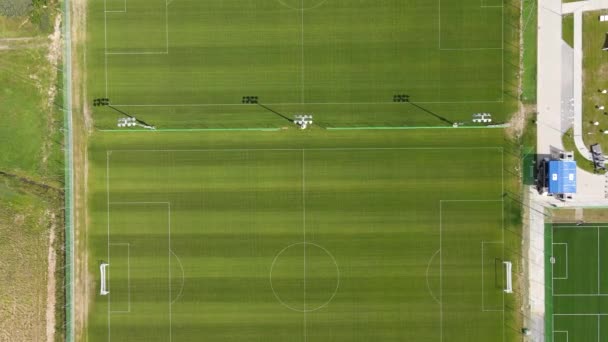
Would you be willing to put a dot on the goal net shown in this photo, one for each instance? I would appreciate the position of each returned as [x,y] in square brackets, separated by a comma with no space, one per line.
[102,268]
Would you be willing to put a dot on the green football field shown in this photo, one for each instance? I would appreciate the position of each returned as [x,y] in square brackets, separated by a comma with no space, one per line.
[299,236]
[579,291]
[190,63]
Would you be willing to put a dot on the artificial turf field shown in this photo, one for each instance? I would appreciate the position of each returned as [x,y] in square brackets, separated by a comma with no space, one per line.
[579,291]
[189,63]
[299,236]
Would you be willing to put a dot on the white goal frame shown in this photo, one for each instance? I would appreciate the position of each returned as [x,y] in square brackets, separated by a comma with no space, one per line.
[509,278]
[104,289]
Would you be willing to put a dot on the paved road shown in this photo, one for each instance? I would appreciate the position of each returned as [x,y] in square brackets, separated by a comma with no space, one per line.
[549,76]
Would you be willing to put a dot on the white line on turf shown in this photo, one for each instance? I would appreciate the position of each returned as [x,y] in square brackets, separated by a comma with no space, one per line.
[183,277]
[580,294]
[441,257]
[108,232]
[304,232]
[318,149]
[598,263]
[579,227]
[483,308]
[138,53]
[169,273]
[302,71]
[502,60]
[561,332]
[502,220]
[297,103]
[168,204]
[428,286]
[471,49]
[553,266]
[105,41]
[136,203]
[440,272]
[106,53]
[580,314]
[167,26]
[128,277]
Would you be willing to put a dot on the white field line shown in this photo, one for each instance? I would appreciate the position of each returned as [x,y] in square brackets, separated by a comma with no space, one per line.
[580,295]
[320,149]
[169,273]
[439,33]
[441,258]
[573,314]
[471,49]
[166,52]
[502,220]
[482,277]
[167,26]
[137,203]
[553,266]
[138,53]
[428,286]
[502,59]
[108,232]
[168,204]
[482,5]
[475,48]
[440,267]
[598,328]
[124,10]
[302,70]
[561,331]
[304,228]
[105,41]
[599,262]
[128,276]
[298,103]
[579,227]
[108,152]
[181,266]
[502,44]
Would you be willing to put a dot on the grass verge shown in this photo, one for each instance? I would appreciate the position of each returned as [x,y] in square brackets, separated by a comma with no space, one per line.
[529,13]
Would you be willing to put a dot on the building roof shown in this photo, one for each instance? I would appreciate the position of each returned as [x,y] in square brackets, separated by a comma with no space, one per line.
[562,177]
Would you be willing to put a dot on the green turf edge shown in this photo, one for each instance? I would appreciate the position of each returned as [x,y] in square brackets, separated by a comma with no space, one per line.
[548,282]
[529,28]
[69,177]
[581,162]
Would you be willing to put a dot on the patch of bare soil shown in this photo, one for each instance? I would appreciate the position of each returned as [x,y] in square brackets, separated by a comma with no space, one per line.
[51,281]
[79,9]
[53,56]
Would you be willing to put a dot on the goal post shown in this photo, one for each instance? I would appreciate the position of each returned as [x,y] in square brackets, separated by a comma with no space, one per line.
[102,268]
[509,283]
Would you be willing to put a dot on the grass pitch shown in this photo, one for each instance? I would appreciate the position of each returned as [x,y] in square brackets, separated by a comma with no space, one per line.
[299,236]
[579,292]
[189,63]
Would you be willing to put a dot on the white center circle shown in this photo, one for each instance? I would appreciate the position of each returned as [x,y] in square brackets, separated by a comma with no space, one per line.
[304,277]
[301,5]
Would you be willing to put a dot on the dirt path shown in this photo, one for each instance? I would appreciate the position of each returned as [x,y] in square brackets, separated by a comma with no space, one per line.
[82,124]
[51,297]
